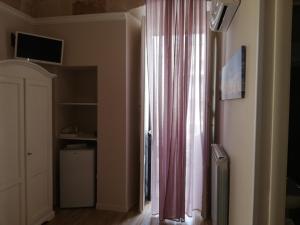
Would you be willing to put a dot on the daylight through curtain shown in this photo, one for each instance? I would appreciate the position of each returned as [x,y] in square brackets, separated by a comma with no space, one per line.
[175,48]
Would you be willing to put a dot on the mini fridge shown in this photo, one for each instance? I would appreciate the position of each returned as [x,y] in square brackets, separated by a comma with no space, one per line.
[77,178]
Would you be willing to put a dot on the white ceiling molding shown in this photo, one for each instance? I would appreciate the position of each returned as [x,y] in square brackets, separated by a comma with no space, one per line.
[138,12]
[129,15]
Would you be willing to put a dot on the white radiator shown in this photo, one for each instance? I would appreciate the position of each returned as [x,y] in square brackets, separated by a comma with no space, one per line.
[219,185]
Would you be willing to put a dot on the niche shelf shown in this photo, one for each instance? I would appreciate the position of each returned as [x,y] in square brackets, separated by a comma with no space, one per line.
[76,103]
[79,138]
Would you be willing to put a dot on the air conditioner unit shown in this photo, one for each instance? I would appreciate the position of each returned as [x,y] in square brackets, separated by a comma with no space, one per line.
[222,13]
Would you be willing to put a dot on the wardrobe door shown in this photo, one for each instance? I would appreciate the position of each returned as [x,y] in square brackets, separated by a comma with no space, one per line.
[38,149]
[12,181]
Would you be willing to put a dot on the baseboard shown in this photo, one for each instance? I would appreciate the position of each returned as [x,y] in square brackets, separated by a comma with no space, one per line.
[49,216]
[109,207]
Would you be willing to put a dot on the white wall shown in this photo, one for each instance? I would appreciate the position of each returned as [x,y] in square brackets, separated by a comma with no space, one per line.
[102,43]
[110,42]
[133,60]
[271,154]
[238,117]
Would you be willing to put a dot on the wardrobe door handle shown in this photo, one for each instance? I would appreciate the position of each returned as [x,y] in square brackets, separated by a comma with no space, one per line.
[29,153]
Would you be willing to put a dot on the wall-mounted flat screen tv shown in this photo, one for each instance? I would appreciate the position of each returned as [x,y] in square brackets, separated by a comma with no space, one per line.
[38,48]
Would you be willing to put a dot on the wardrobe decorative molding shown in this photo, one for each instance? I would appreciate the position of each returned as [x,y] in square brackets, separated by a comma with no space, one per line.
[15,63]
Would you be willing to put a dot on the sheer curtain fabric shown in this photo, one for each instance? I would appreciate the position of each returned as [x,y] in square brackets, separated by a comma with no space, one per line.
[175,56]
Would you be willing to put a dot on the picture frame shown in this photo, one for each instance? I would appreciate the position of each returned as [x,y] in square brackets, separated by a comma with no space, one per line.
[233,76]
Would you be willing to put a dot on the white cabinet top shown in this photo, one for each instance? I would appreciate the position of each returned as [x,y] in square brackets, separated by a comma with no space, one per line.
[22,68]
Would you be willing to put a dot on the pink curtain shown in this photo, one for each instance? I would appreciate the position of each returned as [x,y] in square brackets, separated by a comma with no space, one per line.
[175,47]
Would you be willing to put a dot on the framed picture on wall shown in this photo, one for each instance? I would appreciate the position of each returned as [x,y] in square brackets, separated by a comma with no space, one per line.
[233,76]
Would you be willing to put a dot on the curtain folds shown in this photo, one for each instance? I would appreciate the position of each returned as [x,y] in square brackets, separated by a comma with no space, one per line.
[176,66]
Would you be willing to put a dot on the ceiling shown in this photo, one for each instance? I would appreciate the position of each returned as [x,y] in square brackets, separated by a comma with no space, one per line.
[47,8]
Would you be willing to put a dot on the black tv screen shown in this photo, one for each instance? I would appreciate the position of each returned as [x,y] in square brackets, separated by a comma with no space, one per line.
[38,48]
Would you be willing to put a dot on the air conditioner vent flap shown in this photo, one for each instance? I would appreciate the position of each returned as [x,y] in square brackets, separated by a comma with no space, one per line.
[222,13]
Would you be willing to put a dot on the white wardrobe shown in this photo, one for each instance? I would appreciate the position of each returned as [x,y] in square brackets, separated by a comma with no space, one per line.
[25,143]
